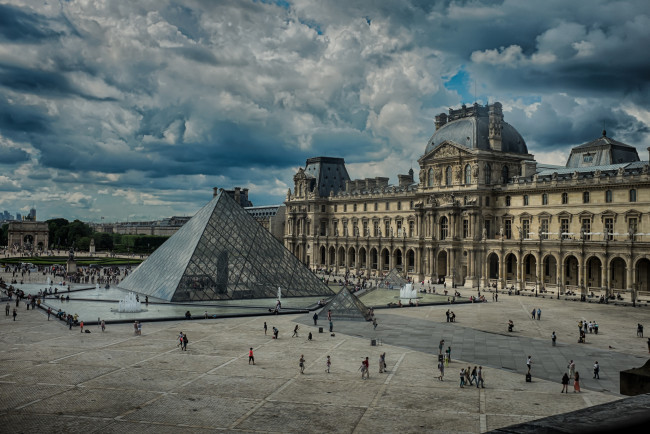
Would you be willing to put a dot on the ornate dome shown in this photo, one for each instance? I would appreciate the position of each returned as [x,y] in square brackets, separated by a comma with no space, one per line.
[470,127]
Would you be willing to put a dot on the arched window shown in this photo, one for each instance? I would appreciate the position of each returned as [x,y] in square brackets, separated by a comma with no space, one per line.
[444,228]
[488,174]
[430,178]
[505,176]
[633,195]
[468,174]
[585,197]
[544,199]
[507,200]
[608,196]
[565,198]
[448,175]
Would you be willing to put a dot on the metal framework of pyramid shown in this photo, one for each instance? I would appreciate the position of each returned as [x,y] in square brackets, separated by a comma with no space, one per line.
[346,306]
[222,253]
[394,279]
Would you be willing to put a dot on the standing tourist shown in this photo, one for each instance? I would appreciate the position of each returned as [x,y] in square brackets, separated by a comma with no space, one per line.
[572,369]
[365,369]
[103,326]
[301,363]
[81,326]
[565,383]
[441,370]
[265,328]
[529,362]
[16,313]
[185,341]
[328,364]
[251,358]
[553,337]
[596,370]
[462,377]
[576,382]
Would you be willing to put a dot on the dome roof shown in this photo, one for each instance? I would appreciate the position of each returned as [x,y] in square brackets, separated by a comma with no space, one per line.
[473,132]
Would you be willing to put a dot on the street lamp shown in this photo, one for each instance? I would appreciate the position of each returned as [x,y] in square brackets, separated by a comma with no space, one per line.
[536,283]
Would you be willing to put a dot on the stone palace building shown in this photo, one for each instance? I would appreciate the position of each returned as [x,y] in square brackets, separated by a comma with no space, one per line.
[483,212]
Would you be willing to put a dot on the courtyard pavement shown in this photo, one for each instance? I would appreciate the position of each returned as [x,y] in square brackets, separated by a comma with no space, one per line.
[56,380]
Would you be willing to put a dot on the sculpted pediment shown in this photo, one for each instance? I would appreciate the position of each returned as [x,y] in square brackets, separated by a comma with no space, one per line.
[446,150]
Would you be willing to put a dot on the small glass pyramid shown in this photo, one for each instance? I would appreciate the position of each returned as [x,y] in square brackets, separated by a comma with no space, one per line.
[222,253]
[346,306]
[393,280]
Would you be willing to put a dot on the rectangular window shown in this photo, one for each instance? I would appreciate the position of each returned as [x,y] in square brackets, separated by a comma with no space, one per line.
[354,207]
[387,206]
[411,229]
[399,227]
[487,201]
[525,229]
[609,229]
[336,208]
[411,205]
[508,228]
[345,207]
[465,228]
[544,199]
[544,229]
[375,227]
[345,229]
[586,229]
[323,228]
[399,206]
[376,206]
[365,207]
[564,229]
[487,228]
[387,228]
[322,208]
[365,229]
[308,228]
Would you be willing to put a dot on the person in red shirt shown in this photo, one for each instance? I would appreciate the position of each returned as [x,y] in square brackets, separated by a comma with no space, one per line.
[250,356]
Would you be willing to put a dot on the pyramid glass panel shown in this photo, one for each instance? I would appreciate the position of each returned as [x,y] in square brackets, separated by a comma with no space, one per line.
[222,253]
[346,306]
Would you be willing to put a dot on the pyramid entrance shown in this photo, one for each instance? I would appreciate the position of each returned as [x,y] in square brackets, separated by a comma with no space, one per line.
[222,253]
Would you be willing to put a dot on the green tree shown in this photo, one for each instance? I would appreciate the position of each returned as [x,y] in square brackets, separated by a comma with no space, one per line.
[4,235]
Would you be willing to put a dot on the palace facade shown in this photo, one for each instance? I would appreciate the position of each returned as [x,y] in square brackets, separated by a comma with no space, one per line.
[483,212]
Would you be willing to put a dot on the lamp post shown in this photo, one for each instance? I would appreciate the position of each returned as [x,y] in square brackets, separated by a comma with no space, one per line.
[536,283]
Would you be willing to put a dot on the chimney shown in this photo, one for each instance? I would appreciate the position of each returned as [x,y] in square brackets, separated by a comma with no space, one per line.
[237,196]
[215,191]
[440,120]
[495,126]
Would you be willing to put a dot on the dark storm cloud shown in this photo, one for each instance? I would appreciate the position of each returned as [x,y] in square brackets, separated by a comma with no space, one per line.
[155,102]
[12,155]
[19,25]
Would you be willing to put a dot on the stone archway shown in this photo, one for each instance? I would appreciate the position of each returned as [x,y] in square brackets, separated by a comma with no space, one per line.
[571,277]
[399,260]
[363,260]
[332,262]
[617,279]
[26,235]
[511,268]
[352,258]
[643,274]
[385,259]
[549,265]
[410,261]
[530,269]
[374,256]
[341,257]
[442,264]
[493,266]
[322,255]
[593,273]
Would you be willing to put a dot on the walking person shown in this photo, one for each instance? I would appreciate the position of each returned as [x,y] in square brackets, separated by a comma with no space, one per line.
[180,340]
[374,323]
[441,345]
[441,370]
[315,318]
[381,363]
[301,363]
[596,370]
[553,337]
[103,326]
[533,313]
[251,358]
[265,328]
[572,369]
[328,364]
[565,383]
[539,314]
[49,312]
[480,378]
[331,326]
[7,308]
[185,341]
[473,378]
[462,377]
[81,326]
[576,382]
[529,362]
[468,380]
[16,314]
[295,332]
[365,369]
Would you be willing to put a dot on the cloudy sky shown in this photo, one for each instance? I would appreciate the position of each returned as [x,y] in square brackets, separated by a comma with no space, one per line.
[134,110]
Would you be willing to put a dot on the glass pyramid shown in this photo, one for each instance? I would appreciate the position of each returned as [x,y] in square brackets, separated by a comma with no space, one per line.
[346,306]
[393,280]
[222,253]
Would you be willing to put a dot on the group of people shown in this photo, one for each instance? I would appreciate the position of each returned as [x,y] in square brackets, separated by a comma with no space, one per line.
[470,376]
[451,316]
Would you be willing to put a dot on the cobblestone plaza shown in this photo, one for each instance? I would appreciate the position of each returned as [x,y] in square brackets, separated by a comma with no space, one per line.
[54,379]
